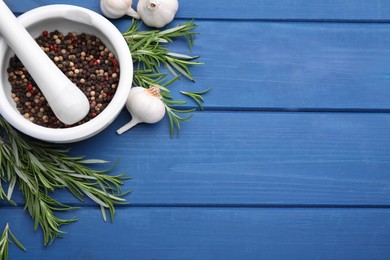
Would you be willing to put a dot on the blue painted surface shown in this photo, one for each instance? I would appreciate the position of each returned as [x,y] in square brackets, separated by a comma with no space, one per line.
[290,160]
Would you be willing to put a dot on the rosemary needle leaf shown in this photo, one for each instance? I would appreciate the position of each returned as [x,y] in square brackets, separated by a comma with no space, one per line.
[82,176]
[24,178]
[171,124]
[35,161]
[11,187]
[171,70]
[166,84]
[93,161]
[104,215]
[96,199]
[6,237]
[181,56]
[173,102]
[16,241]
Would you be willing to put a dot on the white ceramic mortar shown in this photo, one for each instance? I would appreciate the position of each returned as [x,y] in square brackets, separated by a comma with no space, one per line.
[68,18]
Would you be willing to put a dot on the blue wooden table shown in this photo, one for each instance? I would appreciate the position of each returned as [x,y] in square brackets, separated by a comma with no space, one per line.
[289,160]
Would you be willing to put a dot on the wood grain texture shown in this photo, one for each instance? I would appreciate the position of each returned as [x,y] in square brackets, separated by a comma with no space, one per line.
[253,158]
[291,66]
[213,233]
[371,10]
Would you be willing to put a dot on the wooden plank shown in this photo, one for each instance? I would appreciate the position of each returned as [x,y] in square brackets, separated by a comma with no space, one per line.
[250,159]
[292,66]
[212,233]
[377,10]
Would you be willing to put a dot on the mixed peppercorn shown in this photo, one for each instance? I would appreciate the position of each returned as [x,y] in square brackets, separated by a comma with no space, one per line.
[87,62]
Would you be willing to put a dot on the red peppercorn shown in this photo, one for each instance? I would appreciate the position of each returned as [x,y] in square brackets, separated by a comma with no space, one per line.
[45,33]
[51,47]
[115,62]
[29,87]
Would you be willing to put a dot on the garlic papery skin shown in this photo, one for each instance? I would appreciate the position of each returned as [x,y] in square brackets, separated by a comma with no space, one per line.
[145,106]
[117,8]
[157,13]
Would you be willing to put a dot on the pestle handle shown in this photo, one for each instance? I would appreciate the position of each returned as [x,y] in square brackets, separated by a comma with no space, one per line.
[67,101]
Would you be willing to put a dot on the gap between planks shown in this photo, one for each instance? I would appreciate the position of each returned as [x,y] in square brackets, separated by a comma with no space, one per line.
[225,206]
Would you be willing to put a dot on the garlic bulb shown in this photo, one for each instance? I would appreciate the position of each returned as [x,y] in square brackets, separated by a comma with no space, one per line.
[117,8]
[145,106]
[157,13]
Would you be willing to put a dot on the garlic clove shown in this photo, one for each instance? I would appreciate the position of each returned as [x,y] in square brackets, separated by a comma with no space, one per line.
[145,106]
[114,9]
[157,13]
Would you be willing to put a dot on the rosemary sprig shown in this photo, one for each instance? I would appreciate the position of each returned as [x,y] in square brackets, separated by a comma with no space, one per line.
[149,54]
[38,168]
[6,237]
[184,30]
[174,118]
[196,96]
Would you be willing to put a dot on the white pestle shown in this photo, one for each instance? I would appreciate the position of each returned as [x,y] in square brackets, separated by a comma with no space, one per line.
[67,101]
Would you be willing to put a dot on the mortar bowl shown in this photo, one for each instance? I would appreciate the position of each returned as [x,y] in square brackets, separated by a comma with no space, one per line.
[68,18]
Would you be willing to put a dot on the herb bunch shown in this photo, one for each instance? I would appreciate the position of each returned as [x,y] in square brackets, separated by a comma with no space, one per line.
[150,55]
[39,169]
